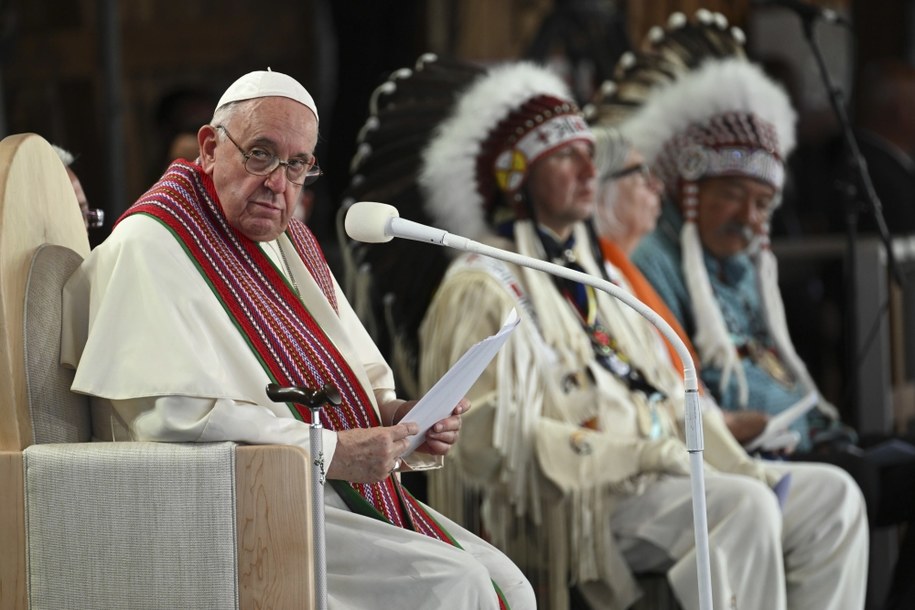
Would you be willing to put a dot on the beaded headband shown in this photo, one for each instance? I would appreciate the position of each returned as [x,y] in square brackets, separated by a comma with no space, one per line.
[501,124]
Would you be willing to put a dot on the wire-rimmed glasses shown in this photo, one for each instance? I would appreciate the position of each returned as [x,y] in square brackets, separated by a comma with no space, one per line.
[640,168]
[261,162]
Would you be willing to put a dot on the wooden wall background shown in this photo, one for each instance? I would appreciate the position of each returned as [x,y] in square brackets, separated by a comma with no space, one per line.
[55,82]
[54,79]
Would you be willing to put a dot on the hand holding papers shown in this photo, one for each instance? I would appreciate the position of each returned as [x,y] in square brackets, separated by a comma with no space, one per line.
[777,428]
[440,400]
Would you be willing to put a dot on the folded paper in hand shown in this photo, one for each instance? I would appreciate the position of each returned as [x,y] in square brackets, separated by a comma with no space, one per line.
[778,424]
[440,400]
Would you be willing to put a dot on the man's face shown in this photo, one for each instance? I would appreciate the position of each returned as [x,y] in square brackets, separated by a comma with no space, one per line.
[562,186]
[731,211]
[258,206]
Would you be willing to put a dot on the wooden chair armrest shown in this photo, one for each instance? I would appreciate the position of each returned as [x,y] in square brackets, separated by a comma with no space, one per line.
[273,495]
[273,488]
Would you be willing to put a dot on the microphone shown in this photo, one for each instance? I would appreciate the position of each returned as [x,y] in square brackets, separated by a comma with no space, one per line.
[373,222]
[807,12]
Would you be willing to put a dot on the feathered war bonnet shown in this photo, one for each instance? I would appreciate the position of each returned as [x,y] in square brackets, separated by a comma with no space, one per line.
[697,108]
[476,163]
[725,118]
[449,143]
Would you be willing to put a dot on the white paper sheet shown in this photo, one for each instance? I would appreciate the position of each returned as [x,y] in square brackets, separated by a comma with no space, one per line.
[779,423]
[440,400]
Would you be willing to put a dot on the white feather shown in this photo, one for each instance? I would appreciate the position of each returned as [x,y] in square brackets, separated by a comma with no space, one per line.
[448,175]
[696,97]
[712,339]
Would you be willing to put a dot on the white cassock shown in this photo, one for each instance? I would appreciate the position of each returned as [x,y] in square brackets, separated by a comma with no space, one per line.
[163,361]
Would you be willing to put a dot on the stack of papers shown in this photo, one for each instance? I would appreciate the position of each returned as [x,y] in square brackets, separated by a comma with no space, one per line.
[778,424]
[440,400]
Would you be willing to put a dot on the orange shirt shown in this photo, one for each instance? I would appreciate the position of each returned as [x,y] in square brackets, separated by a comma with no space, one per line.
[647,294]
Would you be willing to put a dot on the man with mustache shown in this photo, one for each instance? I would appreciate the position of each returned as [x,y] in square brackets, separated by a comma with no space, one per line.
[718,138]
[722,163]
[572,459]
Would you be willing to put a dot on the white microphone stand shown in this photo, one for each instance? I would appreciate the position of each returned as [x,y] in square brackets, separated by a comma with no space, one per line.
[378,222]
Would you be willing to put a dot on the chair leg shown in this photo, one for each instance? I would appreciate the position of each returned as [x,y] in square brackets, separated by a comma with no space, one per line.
[12,532]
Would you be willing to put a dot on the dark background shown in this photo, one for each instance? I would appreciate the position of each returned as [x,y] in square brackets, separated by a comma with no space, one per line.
[113,81]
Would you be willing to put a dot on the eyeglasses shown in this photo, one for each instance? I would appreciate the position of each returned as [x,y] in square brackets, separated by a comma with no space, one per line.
[642,168]
[261,162]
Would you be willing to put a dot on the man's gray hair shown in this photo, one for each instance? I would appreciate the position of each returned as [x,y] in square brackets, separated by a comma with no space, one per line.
[66,156]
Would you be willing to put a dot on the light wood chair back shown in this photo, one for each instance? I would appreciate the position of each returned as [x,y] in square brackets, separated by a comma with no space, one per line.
[37,206]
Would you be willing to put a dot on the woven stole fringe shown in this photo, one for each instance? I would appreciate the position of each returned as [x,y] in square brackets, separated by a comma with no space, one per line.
[287,340]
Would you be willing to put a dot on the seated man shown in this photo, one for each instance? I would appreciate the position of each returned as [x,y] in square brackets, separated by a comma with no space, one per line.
[207,290]
[718,137]
[574,444]
[628,206]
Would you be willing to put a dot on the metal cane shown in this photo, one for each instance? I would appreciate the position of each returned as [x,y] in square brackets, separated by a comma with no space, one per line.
[314,400]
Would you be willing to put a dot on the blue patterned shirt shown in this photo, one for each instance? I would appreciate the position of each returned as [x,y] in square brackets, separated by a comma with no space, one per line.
[734,284]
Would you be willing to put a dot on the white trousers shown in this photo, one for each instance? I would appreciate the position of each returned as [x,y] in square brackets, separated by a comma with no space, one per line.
[810,555]
[371,564]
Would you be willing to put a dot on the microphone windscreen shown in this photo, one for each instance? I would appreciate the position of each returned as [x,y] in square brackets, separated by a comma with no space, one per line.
[366,221]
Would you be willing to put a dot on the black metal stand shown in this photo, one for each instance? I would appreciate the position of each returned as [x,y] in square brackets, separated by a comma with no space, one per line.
[858,192]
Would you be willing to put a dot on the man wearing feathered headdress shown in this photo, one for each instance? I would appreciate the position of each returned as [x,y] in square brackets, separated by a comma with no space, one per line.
[718,135]
[720,151]
[573,449]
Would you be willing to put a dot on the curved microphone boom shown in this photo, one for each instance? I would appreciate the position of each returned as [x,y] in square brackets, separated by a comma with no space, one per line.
[372,222]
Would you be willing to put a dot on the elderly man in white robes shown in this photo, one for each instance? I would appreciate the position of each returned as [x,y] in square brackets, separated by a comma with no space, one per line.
[207,290]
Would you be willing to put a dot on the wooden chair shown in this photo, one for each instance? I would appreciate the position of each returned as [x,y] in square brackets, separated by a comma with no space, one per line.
[119,525]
